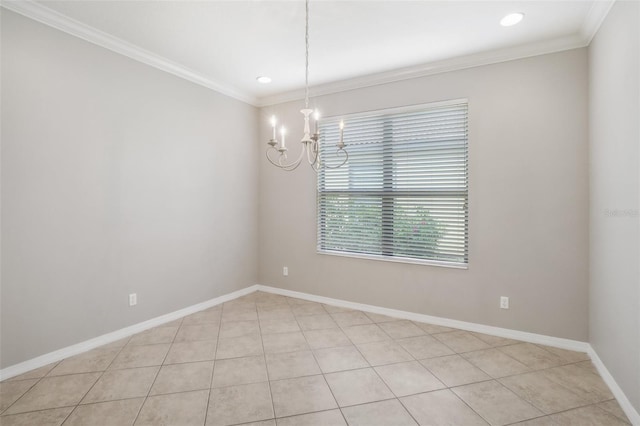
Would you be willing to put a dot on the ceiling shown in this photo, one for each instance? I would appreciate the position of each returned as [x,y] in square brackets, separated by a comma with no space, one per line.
[225,45]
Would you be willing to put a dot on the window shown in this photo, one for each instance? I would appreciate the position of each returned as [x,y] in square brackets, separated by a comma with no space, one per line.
[403,193]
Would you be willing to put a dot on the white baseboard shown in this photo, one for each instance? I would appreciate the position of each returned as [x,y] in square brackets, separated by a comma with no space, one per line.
[573,345]
[41,361]
[625,404]
[87,345]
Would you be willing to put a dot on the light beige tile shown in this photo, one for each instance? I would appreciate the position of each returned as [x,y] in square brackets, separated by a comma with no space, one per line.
[542,393]
[321,418]
[401,329]
[377,318]
[329,338]
[495,363]
[140,356]
[366,333]
[193,333]
[52,417]
[154,336]
[183,377]
[11,391]
[538,421]
[239,371]
[291,364]
[271,326]
[118,344]
[239,328]
[612,407]
[239,404]
[336,309]
[423,347]
[316,322]
[284,342]
[566,355]
[294,301]
[587,385]
[441,408]
[308,309]
[236,347]
[432,328]
[382,413]
[357,387]
[88,362]
[34,374]
[340,359]
[203,317]
[346,319]
[461,341]
[453,370]
[494,341]
[239,315]
[271,422]
[121,384]
[408,378]
[275,312]
[380,353]
[184,409]
[122,412]
[532,356]
[204,350]
[588,365]
[495,403]
[301,395]
[54,392]
[586,416]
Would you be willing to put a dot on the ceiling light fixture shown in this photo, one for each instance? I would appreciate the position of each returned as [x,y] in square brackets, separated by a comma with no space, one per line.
[511,19]
[309,141]
[263,79]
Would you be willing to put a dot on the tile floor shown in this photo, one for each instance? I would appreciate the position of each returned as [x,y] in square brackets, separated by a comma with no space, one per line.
[266,360]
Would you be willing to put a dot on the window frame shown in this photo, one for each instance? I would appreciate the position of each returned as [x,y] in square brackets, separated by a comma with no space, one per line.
[391,258]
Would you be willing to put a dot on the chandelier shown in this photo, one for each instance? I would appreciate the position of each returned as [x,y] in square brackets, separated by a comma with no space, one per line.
[309,141]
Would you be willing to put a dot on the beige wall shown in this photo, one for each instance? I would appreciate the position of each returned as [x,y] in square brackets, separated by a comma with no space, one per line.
[614,314]
[116,178]
[528,201]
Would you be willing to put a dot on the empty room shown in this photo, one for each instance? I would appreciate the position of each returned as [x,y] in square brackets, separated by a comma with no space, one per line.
[320,212]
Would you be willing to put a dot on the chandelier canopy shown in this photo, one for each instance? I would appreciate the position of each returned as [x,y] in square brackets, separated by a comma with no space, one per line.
[309,141]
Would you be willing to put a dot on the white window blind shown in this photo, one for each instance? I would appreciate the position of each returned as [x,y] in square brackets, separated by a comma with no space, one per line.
[403,193]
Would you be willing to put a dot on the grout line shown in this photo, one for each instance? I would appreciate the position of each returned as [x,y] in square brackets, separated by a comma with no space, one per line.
[97,380]
[157,374]
[266,367]
[215,358]
[320,368]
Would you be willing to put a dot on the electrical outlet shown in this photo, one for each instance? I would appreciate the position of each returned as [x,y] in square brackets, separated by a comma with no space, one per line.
[285,271]
[133,299]
[504,302]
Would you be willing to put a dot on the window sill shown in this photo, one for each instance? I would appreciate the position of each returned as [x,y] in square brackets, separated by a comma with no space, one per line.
[396,259]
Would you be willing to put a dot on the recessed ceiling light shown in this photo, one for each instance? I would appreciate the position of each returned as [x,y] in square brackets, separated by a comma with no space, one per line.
[263,79]
[511,19]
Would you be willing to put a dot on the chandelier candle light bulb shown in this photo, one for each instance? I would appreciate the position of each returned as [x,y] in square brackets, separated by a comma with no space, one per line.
[273,125]
[283,132]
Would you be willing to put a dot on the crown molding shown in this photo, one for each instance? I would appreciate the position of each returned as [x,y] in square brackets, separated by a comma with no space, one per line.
[50,17]
[595,17]
[31,9]
[454,64]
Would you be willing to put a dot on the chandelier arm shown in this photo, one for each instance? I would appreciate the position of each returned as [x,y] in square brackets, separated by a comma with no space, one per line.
[346,158]
[288,167]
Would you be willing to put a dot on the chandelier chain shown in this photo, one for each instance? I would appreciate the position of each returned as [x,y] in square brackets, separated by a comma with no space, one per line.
[306,63]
